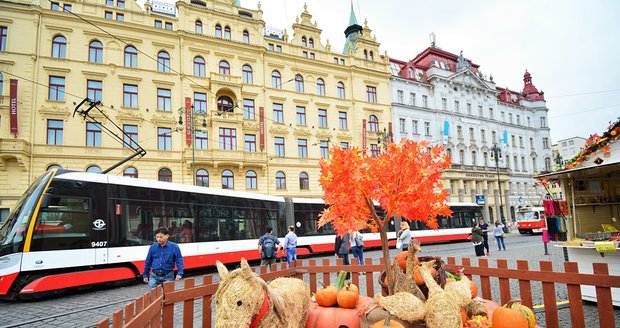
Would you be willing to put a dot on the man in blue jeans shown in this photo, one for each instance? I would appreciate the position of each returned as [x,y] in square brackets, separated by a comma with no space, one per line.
[160,260]
[290,245]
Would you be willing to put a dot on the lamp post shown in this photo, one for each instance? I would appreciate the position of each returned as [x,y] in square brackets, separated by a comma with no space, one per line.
[384,137]
[193,134]
[496,154]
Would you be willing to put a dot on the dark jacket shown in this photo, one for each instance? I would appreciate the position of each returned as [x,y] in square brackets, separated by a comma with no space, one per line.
[342,244]
[476,235]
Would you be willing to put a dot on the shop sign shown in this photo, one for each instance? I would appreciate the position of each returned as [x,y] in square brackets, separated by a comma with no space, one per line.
[605,246]
[480,200]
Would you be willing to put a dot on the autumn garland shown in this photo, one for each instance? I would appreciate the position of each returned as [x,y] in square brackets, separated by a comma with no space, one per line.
[594,144]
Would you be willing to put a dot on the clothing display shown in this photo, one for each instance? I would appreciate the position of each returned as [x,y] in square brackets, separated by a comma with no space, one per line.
[555,207]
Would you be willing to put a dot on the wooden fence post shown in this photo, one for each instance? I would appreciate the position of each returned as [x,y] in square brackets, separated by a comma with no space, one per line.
[525,287]
[551,308]
[167,312]
[188,305]
[574,298]
[603,298]
[206,303]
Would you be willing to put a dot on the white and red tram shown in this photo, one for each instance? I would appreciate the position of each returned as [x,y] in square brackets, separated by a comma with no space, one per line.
[73,229]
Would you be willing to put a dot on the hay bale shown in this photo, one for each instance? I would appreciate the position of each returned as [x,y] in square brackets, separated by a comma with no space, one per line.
[403,305]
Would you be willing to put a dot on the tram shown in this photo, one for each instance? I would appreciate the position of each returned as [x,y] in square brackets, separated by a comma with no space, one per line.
[72,229]
[531,220]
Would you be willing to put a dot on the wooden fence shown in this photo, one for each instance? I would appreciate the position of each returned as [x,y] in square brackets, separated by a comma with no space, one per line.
[156,308]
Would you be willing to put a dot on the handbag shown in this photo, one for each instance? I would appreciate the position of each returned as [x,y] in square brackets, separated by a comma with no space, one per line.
[477,244]
[399,243]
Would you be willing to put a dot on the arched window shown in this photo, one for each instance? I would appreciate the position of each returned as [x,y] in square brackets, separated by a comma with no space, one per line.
[372,56]
[199,66]
[246,75]
[54,166]
[246,36]
[202,178]
[299,83]
[95,52]
[304,182]
[449,152]
[320,87]
[250,180]
[93,169]
[373,123]
[547,164]
[131,57]
[461,156]
[227,32]
[303,42]
[473,158]
[523,167]
[130,172]
[218,31]
[280,180]
[516,163]
[311,43]
[163,62]
[228,180]
[198,28]
[59,47]
[276,80]
[224,67]
[225,104]
[534,166]
[164,175]
[341,94]
[485,158]
[365,54]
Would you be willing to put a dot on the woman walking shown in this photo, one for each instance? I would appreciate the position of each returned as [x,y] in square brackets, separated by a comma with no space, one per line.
[404,234]
[498,232]
[477,239]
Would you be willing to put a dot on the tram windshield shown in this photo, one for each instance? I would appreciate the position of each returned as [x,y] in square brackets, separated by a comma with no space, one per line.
[528,215]
[13,232]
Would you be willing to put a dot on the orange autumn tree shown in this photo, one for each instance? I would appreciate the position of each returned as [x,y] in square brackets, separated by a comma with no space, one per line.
[404,180]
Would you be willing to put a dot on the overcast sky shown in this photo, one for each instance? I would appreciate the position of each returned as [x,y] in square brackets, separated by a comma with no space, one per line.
[571,48]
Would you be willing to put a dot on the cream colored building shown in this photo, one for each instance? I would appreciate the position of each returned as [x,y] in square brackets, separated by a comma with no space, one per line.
[143,64]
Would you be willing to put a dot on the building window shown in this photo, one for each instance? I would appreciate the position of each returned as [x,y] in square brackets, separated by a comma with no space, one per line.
[523,167]
[474,158]
[199,66]
[280,180]
[55,6]
[218,31]
[120,17]
[59,45]
[198,27]
[340,86]
[512,139]
[247,74]
[342,120]
[227,32]
[427,128]
[158,24]
[163,62]
[521,142]
[299,83]
[402,123]
[301,115]
[493,137]
[320,87]
[225,104]
[93,135]
[311,43]
[1,85]
[545,143]
[461,156]
[130,172]
[168,26]
[246,39]
[491,113]
[425,101]
[278,113]
[371,92]
[304,182]
[324,149]
[414,126]
[302,148]
[400,98]
[480,111]
[201,140]
[344,144]
[130,136]
[374,150]
[444,103]
[250,143]
[510,118]
[322,118]
[483,136]
[93,169]
[200,103]
[248,109]
[228,180]
[224,67]
[547,164]
[457,106]
[485,158]
[518,120]
[373,123]
[365,54]
[131,57]
[228,139]
[543,122]
[164,175]
[4,35]
[57,88]
[459,132]
[251,181]
[108,15]
[120,3]
[468,109]
[303,42]
[278,48]
[164,99]
[95,52]
[164,139]
[202,178]
[54,132]
[412,99]
[279,146]
[109,3]
[276,80]
[94,90]
[472,136]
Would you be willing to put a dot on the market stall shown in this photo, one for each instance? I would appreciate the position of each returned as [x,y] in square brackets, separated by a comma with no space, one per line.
[591,186]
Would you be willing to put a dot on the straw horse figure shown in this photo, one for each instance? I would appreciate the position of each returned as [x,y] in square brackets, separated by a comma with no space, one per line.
[245,300]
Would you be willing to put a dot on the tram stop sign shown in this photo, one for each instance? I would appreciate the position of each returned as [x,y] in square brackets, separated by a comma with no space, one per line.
[480,199]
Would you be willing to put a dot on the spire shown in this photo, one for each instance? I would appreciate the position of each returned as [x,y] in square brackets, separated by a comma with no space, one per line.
[352,19]
[352,32]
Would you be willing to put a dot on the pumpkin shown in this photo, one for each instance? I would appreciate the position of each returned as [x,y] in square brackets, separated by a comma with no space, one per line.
[464,317]
[387,323]
[330,317]
[474,289]
[401,260]
[513,315]
[347,298]
[353,287]
[327,296]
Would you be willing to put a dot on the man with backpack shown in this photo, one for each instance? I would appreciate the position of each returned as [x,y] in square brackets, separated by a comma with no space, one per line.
[268,247]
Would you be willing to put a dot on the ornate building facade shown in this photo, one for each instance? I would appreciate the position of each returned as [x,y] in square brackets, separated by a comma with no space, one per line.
[213,95]
[444,98]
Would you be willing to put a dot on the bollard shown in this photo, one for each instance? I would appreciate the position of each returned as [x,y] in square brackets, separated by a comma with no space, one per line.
[546,239]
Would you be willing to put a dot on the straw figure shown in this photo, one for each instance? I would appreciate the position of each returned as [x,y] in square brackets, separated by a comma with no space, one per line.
[244,300]
[412,287]
[442,307]
[403,305]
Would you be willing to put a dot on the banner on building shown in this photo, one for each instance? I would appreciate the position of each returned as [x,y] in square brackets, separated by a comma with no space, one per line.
[261,124]
[13,107]
[364,134]
[390,134]
[188,121]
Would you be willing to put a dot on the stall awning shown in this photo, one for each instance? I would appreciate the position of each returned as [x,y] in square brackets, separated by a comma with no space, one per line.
[611,169]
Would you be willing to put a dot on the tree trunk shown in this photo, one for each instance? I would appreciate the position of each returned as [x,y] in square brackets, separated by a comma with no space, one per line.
[386,256]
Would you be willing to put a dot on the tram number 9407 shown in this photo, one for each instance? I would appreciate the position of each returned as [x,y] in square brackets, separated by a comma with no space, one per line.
[99,243]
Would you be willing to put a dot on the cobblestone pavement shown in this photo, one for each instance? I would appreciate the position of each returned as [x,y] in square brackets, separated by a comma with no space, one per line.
[86,308]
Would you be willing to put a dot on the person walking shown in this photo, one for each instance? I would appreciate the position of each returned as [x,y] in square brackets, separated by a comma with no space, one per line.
[498,232]
[485,235]
[290,245]
[404,235]
[341,248]
[477,239]
[268,247]
[161,259]
[358,247]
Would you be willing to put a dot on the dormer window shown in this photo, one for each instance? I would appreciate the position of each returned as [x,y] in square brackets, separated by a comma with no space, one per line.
[372,56]
[311,43]
[303,42]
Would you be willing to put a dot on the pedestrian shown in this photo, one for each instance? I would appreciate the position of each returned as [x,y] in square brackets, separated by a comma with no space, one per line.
[498,232]
[268,247]
[290,245]
[485,235]
[404,235]
[358,247]
[476,239]
[160,260]
[341,248]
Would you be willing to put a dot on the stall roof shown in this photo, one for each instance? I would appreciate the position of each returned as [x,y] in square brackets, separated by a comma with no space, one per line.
[612,168]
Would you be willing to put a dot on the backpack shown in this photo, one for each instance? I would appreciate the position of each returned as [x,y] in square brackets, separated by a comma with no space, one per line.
[358,240]
[269,247]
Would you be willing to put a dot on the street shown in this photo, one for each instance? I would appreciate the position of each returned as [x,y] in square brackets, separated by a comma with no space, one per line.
[85,308]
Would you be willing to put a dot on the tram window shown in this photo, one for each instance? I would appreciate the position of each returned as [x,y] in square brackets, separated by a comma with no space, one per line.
[65,224]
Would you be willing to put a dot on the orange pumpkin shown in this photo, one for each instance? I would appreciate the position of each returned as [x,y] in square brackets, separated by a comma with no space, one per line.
[513,315]
[418,277]
[401,260]
[474,289]
[329,317]
[347,298]
[387,323]
[327,296]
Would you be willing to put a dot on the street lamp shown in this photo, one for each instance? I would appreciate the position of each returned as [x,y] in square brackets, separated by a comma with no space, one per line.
[496,154]
[384,137]
[193,134]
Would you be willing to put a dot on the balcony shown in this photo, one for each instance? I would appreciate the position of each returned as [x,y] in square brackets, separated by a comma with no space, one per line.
[225,79]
